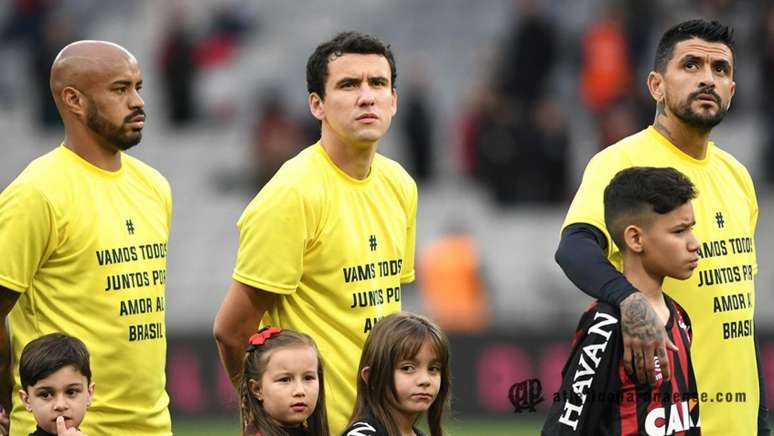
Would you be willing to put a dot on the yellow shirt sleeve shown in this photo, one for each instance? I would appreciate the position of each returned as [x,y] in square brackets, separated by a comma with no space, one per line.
[588,205]
[273,231]
[411,238]
[27,234]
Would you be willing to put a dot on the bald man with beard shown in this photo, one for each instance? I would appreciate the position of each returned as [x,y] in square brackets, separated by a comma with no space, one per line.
[83,232]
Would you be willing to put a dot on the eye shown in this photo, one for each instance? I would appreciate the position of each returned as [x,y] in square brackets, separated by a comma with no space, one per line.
[435,369]
[407,367]
[310,377]
[73,392]
[44,395]
[691,66]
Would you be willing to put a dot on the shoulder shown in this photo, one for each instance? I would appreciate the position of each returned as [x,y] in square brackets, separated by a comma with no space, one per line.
[732,165]
[367,426]
[623,150]
[144,171]
[392,174]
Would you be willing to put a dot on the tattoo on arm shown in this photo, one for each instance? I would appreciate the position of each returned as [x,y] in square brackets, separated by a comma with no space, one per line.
[640,320]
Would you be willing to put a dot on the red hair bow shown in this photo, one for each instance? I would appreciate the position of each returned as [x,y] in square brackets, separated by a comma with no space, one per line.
[263,335]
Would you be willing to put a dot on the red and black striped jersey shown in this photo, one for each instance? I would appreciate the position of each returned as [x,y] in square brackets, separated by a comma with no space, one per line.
[597,397]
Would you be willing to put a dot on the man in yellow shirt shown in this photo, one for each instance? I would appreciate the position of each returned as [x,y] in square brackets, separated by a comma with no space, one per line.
[83,231]
[692,84]
[326,244]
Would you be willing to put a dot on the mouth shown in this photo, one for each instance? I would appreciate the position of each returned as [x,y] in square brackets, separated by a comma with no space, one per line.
[693,263]
[299,407]
[707,98]
[137,122]
[369,117]
[422,397]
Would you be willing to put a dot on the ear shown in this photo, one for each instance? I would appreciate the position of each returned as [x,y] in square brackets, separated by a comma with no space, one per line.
[74,101]
[394,101]
[25,398]
[316,106]
[656,86]
[364,374]
[633,238]
[255,388]
[731,96]
[91,393]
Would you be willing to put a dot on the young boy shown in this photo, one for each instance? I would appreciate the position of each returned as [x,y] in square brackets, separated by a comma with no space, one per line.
[56,383]
[650,218]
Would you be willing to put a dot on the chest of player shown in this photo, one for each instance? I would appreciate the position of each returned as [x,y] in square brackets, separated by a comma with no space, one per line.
[363,235]
[117,228]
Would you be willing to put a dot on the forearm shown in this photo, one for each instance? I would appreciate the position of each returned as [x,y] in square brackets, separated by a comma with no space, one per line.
[580,255]
[232,351]
[6,371]
[763,409]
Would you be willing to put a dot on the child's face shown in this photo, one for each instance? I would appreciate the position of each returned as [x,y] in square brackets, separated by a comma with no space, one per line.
[289,387]
[417,381]
[669,246]
[64,393]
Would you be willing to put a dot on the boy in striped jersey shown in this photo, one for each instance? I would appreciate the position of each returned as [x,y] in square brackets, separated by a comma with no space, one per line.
[650,217]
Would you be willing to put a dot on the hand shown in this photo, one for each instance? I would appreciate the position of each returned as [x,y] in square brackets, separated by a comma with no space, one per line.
[5,423]
[62,430]
[643,337]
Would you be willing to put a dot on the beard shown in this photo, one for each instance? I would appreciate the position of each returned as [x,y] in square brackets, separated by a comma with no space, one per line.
[110,132]
[698,120]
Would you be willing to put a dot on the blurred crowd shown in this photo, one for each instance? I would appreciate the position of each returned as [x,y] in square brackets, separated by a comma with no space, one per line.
[514,137]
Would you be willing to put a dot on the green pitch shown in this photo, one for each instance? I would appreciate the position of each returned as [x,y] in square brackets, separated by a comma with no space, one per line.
[516,427]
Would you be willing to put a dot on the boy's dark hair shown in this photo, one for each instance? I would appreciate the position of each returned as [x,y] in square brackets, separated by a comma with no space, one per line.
[710,31]
[344,42]
[50,353]
[636,192]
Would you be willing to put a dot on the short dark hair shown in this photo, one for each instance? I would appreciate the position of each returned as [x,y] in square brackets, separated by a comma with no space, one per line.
[50,353]
[344,42]
[710,31]
[636,192]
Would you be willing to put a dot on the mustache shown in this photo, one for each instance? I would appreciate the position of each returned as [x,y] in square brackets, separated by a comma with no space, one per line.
[134,114]
[708,90]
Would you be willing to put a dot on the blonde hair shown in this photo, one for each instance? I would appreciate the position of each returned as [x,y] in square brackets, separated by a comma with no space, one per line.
[395,338]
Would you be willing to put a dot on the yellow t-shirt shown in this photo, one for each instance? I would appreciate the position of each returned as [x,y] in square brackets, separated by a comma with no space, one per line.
[720,296]
[86,249]
[337,250]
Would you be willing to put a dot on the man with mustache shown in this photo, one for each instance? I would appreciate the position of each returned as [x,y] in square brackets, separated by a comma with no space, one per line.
[692,83]
[81,216]
[326,244]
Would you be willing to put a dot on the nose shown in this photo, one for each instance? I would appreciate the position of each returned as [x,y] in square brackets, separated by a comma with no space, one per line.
[693,243]
[60,403]
[423,378]
[707,77]
[367,96]
[136,101]
[299,390]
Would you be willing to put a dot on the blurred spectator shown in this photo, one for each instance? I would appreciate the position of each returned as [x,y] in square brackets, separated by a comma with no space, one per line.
[449,278]
[178,68]
[606,73]
[418,125]
[528,56]
[35,25]
[766,41]
[277,136]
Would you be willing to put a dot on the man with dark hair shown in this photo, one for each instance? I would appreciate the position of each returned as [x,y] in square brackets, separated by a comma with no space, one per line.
[649,215]
[326,244]
[692,84]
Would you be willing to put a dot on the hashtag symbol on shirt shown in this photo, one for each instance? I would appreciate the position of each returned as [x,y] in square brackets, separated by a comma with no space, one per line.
[372,242]
[719,220]
[129,227]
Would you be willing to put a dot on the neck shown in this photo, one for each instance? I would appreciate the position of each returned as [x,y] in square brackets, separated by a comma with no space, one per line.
[353,159]
[101,155]
[689,140]
[647,283]
[405,423]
